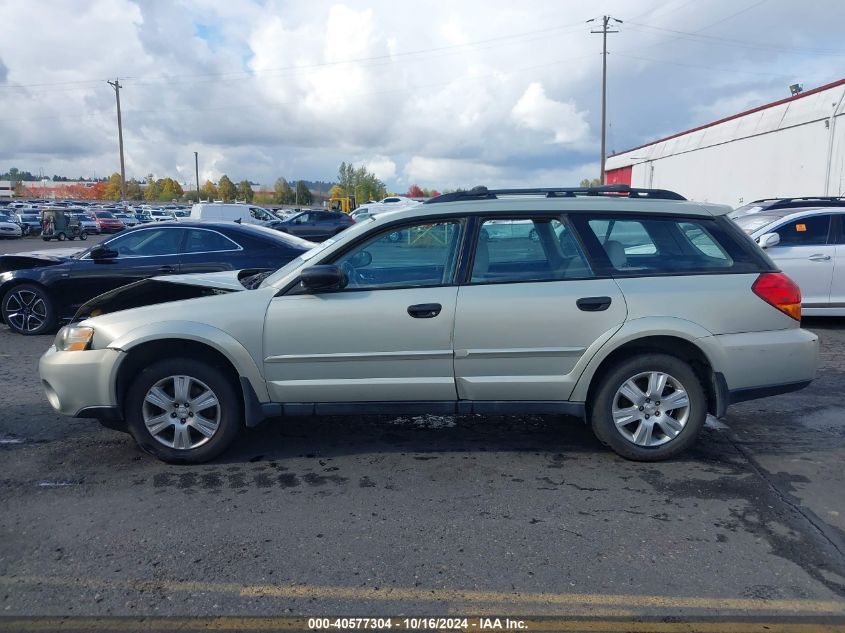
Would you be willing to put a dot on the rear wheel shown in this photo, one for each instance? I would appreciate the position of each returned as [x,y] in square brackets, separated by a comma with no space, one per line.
[62,237]
[28,309]
[649,408]
[183,411]
[83,235]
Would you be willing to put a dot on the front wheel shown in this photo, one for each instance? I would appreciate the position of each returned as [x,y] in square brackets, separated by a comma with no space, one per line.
[28,309]
[183,411]
[83,235]
[62,237]
[649,408]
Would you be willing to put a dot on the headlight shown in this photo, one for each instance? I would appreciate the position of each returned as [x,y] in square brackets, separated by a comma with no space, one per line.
[74,338]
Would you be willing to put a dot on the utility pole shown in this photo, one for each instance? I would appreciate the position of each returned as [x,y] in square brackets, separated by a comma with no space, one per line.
[605,23]
[116,85]
[197,168]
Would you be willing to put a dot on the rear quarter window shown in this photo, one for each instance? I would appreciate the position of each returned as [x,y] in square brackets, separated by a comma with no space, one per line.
[659,245]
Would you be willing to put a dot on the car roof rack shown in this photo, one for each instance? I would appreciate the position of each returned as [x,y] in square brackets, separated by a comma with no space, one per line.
[483,193]
[805,201]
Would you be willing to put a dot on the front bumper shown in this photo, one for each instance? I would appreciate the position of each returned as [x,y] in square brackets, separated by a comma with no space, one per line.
[77,383]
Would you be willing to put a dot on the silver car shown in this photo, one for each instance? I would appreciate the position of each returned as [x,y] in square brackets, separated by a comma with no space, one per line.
[638,312]
[809,245]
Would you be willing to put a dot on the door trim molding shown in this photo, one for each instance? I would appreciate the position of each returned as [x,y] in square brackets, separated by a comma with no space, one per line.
[359,356]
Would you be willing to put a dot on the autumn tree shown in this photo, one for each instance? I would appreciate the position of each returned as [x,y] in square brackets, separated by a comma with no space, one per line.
[209,191]
[111,188]
[284,194]
[415,192]
[226,189]
[245,191]
[151,190]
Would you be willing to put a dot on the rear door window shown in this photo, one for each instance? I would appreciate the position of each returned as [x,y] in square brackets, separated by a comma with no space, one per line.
[527,249]
[649,244]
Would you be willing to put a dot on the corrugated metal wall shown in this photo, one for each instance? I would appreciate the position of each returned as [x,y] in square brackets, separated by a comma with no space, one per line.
[794,148]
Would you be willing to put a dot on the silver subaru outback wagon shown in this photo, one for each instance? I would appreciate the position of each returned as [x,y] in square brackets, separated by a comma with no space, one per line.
[635,310]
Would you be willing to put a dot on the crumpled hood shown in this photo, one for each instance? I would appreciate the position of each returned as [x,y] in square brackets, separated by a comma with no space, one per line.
[164,289]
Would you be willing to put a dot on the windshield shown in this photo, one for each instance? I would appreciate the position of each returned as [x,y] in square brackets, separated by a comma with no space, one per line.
[753,222]
[292,265]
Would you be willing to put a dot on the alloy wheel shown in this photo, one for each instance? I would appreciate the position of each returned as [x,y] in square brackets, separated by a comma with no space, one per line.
[181,412]
[26,310]
[651,409]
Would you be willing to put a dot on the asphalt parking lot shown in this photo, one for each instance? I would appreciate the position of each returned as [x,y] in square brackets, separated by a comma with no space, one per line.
[425,515]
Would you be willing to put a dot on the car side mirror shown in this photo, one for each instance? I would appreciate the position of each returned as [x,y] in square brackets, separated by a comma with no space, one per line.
[767,240]
[323,277]
[103,254]
[238,220]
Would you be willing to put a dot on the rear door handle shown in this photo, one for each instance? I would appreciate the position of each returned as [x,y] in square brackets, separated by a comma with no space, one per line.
[593,304]
[425,310]
[819,258]
[166,269]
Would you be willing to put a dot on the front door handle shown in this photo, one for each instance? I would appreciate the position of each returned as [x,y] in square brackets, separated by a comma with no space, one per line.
[819,258]
[425,310]
[593,304]
[166,269]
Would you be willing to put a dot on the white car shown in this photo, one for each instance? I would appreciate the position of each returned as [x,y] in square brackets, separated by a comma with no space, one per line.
[808,245]
[127,218]
[8,228]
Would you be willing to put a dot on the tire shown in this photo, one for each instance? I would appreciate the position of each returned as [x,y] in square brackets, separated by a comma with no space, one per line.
[225,416]
[633,439]
[45,238]
[29,310]
[62,237]
[83,235]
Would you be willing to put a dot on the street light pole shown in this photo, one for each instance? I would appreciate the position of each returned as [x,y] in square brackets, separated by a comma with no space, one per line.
[606,19]
[197,168]
[116,85]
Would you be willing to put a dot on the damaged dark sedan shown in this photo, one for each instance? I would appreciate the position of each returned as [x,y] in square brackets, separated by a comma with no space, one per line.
[38,291]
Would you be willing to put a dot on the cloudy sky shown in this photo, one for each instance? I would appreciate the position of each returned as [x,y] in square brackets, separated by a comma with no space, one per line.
[442,94]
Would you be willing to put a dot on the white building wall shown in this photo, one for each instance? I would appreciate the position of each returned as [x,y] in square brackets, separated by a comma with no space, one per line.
[795,148]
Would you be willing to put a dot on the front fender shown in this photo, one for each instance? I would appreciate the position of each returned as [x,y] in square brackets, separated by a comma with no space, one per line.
[221,341]
[638,329]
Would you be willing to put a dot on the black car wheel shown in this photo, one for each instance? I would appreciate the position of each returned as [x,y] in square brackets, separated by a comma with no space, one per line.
[28,309]
[183,411]
[62,237]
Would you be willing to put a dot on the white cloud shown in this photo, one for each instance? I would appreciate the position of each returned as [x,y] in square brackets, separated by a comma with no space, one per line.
[562,120]
[480,91]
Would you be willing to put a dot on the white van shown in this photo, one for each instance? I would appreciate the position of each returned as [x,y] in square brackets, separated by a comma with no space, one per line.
[219,212]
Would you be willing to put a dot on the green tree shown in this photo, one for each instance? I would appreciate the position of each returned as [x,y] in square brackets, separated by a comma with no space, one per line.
[360,183]
[284,194]
[245,191]
[226,189]
[209,191]
[151,190]
[303,193]
[133,190]
[591,182]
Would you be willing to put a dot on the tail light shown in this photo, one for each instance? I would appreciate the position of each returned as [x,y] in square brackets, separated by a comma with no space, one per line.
[778,290]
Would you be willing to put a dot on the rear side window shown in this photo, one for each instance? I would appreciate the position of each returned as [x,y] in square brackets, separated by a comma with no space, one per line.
[527,249]
[200,241]
[648,245]
[812,231]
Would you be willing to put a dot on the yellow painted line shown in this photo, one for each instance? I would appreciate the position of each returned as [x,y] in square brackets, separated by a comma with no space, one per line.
[465,596]
[112,623]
